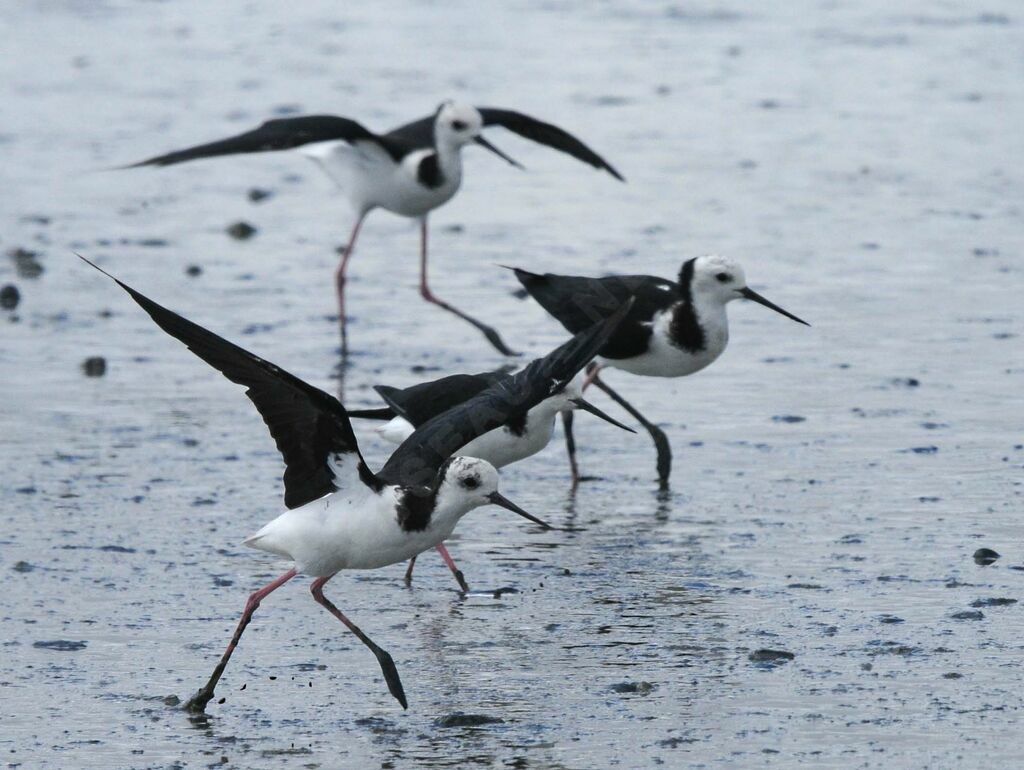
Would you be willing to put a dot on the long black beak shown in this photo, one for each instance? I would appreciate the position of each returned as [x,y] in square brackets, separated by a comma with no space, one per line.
[498,499]
[586,406]
[484,143]
[751,294]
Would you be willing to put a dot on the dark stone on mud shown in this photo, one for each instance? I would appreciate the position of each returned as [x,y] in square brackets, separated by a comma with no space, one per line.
[890,619]
[257,194]
[116,549]
[922,450]
[968,615]
[993,602]
[520,293]
[773,657]
[241,231]
[467,720]
[985,556]
[172,700]
[634,688]
[9,297]
[905,382]
[807,586]
[22,566]
[952,675]
[788,418]
[94,366]
[193,271]
[60,645]
[25,262]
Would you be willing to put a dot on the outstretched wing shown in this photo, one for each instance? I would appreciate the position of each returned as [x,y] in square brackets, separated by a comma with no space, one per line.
[578,301]
[420,402]
[311,428]
[279,134]
[546,133]
[416,462]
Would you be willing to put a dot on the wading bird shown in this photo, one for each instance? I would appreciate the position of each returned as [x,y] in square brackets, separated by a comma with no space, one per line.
[410,170]
[674,328]
[341,514]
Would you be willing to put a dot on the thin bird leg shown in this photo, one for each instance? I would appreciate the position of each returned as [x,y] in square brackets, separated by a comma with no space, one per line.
[491,335]
[459,577]
[567,419]
[660,440]
[387,665]
[570,447]
[447,560]
[197,703]
[339,280]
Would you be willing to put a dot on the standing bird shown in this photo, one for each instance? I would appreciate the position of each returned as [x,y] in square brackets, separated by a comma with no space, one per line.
[410,171]
[674,328]
[519,437]
[341,514]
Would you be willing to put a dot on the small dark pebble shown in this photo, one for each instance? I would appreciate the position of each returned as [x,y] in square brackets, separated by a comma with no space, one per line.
[241,231]
[520,293]
[993,602]
[26,490]
[890,619]
[221,700]
[61,645]
[968,615]
[193,271]
[985,556]
[116,549]
[272,678]
[790,418]
[22,566]
[25,262]
[808,586]
[467,720]
[952,675]
[922,450]
[94,366]
[770,656]
[243,687]
[9,297]
[637,688]
[257,194]
[905,382]
[172,700]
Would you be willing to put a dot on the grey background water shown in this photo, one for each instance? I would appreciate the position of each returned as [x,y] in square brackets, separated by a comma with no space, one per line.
[862,159]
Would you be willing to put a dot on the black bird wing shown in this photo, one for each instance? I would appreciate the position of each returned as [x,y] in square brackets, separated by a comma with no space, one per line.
[547,134]
[281,134]
[418,459]
[420,134]
[578,301]
[420,402]
[310,427]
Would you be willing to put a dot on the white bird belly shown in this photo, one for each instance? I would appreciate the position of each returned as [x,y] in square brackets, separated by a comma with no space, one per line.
[336,533]
[665,359]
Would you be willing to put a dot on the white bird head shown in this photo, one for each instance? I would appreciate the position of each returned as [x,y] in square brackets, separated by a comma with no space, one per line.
[722,280]
[457,125]
[469,483]
[571,397]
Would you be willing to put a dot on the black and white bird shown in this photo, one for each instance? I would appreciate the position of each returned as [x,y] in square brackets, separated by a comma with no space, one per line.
[410,170]
[674,328]
[519,437]
[341,514]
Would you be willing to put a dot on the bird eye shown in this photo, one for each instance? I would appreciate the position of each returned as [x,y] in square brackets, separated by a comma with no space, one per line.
[459,125]
[724,277]
[471,483]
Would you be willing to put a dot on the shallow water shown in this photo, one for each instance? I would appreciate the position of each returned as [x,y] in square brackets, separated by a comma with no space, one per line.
[861,161]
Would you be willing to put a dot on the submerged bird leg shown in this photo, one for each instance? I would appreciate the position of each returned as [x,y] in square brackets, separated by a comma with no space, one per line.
[570,447]
[657,434]
[197,703]
[387,665]
[425,292]
[339,280]
[459,577]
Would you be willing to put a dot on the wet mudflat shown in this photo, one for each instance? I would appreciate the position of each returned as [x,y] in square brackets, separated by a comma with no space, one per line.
[806,593]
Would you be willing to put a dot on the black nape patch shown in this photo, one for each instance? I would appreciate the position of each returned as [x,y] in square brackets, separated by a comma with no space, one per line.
[685,330]
[429,172]
[415,506]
